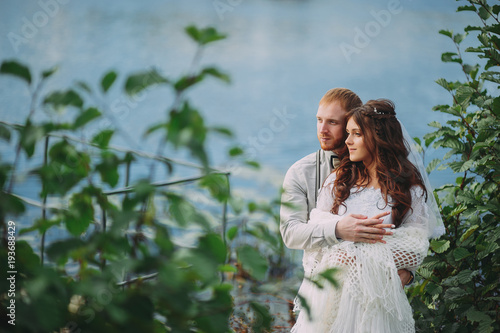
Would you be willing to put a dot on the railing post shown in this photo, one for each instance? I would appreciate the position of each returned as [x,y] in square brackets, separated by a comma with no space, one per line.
[224,210]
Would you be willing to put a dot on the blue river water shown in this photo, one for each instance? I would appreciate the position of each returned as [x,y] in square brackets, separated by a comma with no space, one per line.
[282,56]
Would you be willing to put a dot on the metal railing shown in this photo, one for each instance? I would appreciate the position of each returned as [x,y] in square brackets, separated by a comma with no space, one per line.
[124,190]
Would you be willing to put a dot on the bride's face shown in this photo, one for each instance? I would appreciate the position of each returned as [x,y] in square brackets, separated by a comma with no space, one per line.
[358,152]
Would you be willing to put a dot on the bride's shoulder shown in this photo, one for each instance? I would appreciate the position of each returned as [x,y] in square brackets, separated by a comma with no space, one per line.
[417,191]
[331,178]
[329,181]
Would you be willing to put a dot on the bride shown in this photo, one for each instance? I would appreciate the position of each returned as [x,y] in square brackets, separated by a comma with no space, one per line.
[375,177]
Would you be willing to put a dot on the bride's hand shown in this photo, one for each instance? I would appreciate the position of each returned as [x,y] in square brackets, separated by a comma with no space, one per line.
[360,228]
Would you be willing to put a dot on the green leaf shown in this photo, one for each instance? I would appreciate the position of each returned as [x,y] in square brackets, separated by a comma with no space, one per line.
[461,253]
[433,289]
[84,86]
[448,33]
[468,233]
[440,246]
[457,210]
[80,214]
[467,165]
[26,259]
[490,248]
[222,130]
[65,169]
[85,117]
[4,133]
[186,128]
[218,186]
[108,80]
[252,261]
[432,165]
[463,94]
[483,13]
[16,69]
[10,204]
[213,246]
[329,275]
[49,72]
[466,8]
[212,71]
[478,316]
[187,81]
[467,198]
[235,151]
[458,38]
[204,36]
[472,28]
[253,164]
[443,83]
[41,225]
[108,168]
[136,83]
[454,293]
[184,213]
[228,268]
[304,304]
[103,138]
[450,57]
[30,135]
[59,251]
[435,124]
[232,232]
[262,319]
[60,99]
[466,276]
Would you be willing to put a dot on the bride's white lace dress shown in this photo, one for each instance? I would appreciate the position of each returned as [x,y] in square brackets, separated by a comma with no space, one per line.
[369,297]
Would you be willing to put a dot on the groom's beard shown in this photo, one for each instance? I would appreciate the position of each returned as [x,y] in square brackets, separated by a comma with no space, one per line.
[332,144]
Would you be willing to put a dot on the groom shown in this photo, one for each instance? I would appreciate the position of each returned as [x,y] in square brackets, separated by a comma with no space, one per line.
[305,177]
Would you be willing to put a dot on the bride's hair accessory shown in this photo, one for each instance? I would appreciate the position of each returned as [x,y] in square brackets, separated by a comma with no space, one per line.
[383,113]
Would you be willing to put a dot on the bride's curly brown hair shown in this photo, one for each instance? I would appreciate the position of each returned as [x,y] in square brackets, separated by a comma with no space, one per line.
[389,150]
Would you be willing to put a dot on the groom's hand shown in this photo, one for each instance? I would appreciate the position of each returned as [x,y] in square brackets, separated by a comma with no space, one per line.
[360,228]
[405,276]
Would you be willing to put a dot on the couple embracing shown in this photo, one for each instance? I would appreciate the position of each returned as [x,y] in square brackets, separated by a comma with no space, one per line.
[362,204]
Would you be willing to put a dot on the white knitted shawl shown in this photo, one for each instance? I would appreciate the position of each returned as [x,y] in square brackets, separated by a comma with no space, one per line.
[369,297]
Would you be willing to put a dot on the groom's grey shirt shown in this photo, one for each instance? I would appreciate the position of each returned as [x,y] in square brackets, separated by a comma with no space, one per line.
[299,190]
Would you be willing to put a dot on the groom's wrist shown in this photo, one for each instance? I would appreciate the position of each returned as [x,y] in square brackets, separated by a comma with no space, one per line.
[410,280]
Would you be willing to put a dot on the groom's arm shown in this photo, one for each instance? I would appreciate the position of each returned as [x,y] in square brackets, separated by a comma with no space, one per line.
[294,214]
[298,234]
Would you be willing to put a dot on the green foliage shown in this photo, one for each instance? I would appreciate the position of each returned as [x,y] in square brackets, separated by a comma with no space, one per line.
[16,69]
[119,269]
[460,288]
